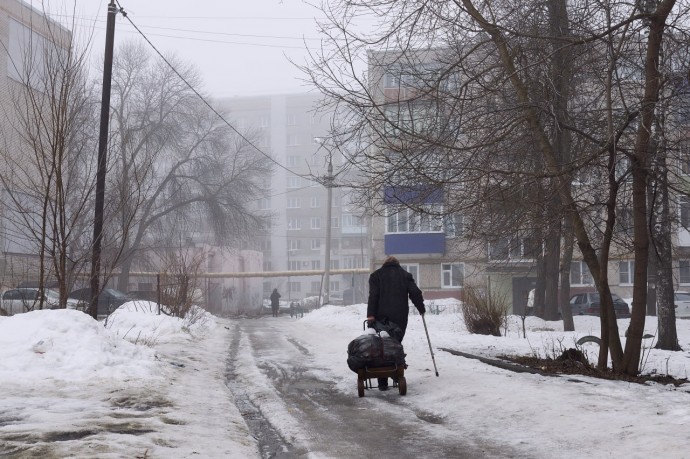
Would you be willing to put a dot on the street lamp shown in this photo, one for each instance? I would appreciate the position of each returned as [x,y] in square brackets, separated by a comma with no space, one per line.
[327,273]
[328,183]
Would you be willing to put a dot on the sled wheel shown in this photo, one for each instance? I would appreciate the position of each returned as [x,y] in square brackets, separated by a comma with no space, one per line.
[402,386]
[360,387]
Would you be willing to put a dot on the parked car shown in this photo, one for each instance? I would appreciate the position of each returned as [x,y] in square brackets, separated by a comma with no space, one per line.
[589,304]
[682,302]
[18,300]
[108,301]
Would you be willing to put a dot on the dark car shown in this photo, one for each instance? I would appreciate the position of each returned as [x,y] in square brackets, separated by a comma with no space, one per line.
[108,301]
[589,304]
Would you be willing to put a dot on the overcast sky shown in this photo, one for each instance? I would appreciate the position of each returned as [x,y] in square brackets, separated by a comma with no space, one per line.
[239,47]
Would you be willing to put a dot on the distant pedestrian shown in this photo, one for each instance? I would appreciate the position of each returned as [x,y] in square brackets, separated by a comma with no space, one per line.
[275,303]
[296,309]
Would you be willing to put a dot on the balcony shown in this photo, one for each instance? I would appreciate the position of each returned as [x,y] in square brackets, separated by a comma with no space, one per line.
[415,243]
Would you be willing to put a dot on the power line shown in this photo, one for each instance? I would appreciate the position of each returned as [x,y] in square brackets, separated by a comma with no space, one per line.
[206,32]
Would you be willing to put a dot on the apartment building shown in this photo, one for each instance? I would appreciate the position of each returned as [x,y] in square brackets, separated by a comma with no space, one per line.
[28,37]
[289,128]
[427,242]
[434,249]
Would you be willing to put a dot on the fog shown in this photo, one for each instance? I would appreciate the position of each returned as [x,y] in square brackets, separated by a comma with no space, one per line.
[239,48]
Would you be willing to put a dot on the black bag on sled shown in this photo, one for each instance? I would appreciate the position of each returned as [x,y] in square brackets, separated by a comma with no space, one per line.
[393,330]
[372,350]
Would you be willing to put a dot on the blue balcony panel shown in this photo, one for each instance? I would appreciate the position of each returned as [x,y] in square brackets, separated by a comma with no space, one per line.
[414,194]
[412,243]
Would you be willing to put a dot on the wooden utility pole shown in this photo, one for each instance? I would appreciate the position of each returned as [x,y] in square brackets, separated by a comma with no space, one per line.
[102,157]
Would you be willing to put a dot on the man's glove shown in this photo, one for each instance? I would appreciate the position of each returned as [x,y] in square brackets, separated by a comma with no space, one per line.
[422,310]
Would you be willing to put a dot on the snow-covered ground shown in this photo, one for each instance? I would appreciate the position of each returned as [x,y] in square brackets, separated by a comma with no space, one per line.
[146,385]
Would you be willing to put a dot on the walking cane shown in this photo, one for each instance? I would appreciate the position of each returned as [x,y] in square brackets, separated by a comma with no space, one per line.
[429,341]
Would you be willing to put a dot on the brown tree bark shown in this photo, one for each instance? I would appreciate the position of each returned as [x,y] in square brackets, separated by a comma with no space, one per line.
[640,162]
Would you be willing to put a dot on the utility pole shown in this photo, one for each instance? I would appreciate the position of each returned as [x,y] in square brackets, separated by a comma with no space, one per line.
[102,157]
[329,211]
[289,287]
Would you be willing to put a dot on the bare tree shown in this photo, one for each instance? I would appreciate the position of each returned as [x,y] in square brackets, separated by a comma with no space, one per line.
[174,162]
[490,109]
[47,154]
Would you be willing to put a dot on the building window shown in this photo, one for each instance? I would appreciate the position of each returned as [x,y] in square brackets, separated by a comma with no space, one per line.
[293,182]
[316,244]
[294,224]
[626,268]
[404,220]
[624,220]
[293,203]
[412,269]
[263,121]
[292,160]
[295,287]
[454,225]
[391,80]
[293,140]
[410,118]
[265,204]
[684,204]
[335,222]
[316,264]
[294,265]
[350,220]
[354,262]
[684,272]
[506,249]
[452,275]
[294,244]
[335,286]
[685,157]
[315,202]
[315,222]
[292,120]
[335,264]
[267,265]
[579,274]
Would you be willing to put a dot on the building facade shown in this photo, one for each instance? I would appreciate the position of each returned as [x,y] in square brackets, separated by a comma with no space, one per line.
[29,38]
[290,130]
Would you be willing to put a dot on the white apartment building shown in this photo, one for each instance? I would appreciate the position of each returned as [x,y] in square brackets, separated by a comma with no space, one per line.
[290,129]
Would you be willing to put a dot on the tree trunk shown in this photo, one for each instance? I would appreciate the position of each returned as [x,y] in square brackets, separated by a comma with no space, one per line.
[552,260]
[662,254]
[560,72]
[564,294]
[640,163]
[125,268]
[540,285]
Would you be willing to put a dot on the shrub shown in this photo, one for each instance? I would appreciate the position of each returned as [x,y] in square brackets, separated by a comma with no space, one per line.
[485,313]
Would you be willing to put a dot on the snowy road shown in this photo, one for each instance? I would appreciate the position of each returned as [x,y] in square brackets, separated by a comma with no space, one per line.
[296,408]
[280,387]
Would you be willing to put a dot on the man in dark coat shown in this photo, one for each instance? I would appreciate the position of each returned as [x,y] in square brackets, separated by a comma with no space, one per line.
[390,286]
[275,304]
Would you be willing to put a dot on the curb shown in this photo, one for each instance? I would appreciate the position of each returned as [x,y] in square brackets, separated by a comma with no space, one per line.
[507,366]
